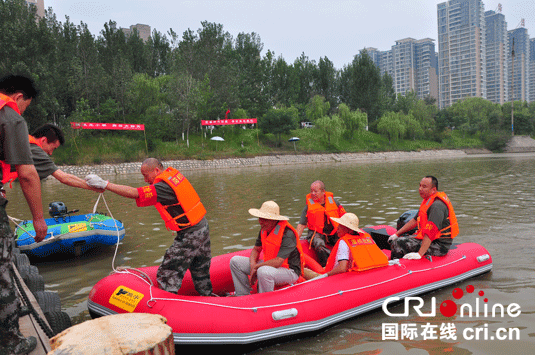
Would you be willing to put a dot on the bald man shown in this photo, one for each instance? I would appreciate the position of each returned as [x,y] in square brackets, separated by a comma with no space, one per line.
[182,211]
[320,207]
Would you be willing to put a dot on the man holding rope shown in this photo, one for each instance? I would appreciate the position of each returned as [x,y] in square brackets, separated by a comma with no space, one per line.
[182,211]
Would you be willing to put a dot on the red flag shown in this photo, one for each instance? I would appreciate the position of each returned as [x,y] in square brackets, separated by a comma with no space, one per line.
[226,114]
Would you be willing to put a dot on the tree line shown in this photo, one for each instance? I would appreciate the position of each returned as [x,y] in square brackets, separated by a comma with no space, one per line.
[171,82]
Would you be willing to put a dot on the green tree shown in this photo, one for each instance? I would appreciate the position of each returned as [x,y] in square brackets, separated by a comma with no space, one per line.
[184,97]
[361,86]
[331,128]
[250,71]
[392,125]
[472,114]
[413,128]
[352,120]
[279,121]
[326,83]
[316,108]
[405,103]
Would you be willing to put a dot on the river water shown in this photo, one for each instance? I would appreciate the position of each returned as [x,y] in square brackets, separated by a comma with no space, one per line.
[493,195]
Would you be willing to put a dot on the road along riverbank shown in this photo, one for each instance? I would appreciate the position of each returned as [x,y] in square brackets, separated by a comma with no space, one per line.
[271,160]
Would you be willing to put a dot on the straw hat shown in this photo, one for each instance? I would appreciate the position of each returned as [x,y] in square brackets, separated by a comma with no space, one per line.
[268,210]
[349,220]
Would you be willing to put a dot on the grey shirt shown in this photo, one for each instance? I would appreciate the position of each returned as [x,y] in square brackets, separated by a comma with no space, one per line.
[438,214]
[288,249]
[14,142]
[42,161]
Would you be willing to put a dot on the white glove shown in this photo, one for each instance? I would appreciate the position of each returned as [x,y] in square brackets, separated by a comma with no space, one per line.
[392,238]
[412,256]
[96,181]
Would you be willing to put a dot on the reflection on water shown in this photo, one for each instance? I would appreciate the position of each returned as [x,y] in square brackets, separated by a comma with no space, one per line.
[494,197]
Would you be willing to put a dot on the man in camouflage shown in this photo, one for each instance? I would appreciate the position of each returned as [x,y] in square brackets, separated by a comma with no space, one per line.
[16,94]
[191,246]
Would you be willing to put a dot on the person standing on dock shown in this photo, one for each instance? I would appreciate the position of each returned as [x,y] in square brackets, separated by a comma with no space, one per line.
[436,222]
[320,207]
[182,211]
[16,94]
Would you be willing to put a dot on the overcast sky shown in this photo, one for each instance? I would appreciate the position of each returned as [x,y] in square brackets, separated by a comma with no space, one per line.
[336,29]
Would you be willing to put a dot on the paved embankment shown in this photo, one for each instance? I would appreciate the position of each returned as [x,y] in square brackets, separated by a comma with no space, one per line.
[271,160]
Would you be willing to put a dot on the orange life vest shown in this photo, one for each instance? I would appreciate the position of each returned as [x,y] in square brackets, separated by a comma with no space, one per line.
[8,101]
[451,231]
[7,174]
[187,198]
[316,213]
[365,254]
[271,243]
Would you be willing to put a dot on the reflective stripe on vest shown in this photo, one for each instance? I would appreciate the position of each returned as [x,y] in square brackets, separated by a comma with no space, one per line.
[187,198]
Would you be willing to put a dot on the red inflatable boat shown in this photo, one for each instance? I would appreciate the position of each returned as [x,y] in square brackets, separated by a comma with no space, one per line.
[308,306]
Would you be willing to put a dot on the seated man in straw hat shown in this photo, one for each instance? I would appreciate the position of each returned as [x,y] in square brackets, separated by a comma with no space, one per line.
[354,251]
[280,243]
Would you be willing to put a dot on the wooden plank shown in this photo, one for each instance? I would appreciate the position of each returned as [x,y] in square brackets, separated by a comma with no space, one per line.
[28,324]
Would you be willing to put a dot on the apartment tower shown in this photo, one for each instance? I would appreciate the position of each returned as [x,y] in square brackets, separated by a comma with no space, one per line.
[462,51]
[498,61]
[532,70]
[519,71]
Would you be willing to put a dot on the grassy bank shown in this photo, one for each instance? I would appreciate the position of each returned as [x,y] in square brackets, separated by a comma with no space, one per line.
[88,148]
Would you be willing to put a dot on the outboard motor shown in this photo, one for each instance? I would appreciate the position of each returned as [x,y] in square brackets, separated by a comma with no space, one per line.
[404,218]
[57,209]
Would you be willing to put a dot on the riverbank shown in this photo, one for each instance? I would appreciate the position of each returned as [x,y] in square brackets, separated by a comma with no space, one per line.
[271,160]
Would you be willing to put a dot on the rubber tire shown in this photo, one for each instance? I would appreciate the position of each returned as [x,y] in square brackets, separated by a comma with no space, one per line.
[24,271]
[21,259]
[58,321]
[48,301]
[35,283]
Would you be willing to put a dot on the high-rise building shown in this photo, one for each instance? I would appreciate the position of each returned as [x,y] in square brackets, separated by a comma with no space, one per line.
[404,75]
[519,71]
[462,51]
[412,64]
[426,68]
[532,70]
[497,51]
[143,31]
[39,5]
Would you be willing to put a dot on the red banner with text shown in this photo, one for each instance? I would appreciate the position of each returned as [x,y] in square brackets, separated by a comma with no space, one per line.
[228,122]
[116,126]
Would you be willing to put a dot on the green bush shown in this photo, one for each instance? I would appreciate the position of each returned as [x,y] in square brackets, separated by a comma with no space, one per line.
[496,141]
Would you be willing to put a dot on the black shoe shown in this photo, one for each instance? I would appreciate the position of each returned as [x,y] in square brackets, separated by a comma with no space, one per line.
[25,346]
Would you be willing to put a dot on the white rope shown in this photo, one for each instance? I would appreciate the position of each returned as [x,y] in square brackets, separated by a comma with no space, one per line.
[147,279]
[116,227]
[339,293]
[121,269]
[14,220]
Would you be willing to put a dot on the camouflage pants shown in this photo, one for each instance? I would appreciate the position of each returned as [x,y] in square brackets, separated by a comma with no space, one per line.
[9,302]
[406,245]
[190,250]
[318,243]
